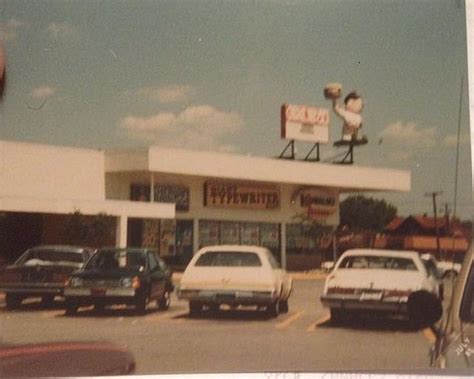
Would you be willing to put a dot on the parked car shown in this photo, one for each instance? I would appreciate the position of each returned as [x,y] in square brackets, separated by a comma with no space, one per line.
[448,269]
[129,276]
[431,265]
[454,348]
[41,271]
[65,359]
[373,280]
[235,275]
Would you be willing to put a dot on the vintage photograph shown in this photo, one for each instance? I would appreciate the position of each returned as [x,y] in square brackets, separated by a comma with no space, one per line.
[248,186]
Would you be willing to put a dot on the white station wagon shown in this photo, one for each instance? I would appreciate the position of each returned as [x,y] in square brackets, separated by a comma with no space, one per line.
[235,275]
[376,280]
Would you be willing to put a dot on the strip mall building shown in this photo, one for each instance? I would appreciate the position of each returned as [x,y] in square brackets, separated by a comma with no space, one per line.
[179,200]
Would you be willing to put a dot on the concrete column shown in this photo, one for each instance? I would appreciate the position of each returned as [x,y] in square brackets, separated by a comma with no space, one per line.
[121,231]
[283,244]
[152,188]
[195,235]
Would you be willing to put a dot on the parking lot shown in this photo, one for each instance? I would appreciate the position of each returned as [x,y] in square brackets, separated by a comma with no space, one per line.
[239,340]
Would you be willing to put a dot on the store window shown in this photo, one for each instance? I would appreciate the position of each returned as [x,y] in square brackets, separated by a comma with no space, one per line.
[163,193]
[306,238]
[240,233]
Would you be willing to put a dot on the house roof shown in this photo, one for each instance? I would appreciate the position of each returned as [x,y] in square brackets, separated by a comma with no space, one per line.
[425,222]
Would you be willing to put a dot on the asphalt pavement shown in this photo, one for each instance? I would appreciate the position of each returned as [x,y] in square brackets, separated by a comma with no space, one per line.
[230,341]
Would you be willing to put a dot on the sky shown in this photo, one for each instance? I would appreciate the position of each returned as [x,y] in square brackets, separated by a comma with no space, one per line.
[212,75]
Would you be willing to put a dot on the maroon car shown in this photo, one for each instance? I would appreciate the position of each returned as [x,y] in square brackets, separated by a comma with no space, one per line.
[65,359]
[41,272]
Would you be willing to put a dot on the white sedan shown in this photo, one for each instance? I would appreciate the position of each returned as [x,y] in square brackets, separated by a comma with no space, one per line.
[235,275]
[376,280]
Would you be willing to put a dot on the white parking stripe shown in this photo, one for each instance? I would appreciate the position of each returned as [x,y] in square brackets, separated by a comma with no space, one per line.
[284,324]
[326,317]
[178,315]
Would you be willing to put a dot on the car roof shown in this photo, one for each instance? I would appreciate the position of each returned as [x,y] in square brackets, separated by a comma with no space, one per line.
[131,249]
[235,248]
[382,253]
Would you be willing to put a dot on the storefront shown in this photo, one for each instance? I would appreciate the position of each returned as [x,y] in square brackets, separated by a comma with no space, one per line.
[289,206]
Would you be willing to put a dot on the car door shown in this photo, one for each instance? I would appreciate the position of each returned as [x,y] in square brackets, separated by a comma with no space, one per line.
[157,277]
[459,354]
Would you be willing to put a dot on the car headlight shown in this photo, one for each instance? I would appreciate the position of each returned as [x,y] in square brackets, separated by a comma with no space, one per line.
[126,282]
[76,282]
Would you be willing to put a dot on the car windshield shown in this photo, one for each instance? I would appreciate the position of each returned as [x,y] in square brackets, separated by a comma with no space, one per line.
[467,305]
[34,257]
[378,262]
[229,259]
[122,259]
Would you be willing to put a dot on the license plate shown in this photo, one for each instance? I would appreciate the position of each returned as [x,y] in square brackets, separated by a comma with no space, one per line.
[98,291]
[371,296]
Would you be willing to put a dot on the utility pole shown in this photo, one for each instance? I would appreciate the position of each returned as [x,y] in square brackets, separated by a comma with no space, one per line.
[433,195]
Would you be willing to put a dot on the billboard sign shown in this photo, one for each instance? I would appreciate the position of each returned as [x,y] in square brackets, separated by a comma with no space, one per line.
[321,203]
[305,123]
[243,196]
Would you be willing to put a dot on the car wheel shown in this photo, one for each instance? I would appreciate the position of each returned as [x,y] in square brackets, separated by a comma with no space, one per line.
[164,303]
[195,308]
[99,307]
[272,309]
[336,314]
[12,301]
[71,308]
[215,308]
[284,308]
[141,304]
[47,301]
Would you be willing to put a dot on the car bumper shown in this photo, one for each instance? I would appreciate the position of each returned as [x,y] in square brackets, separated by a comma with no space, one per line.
[231,297]
[33,289]
[394,304]
[102,295]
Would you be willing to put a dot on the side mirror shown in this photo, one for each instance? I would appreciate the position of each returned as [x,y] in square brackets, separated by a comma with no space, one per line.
[424,309]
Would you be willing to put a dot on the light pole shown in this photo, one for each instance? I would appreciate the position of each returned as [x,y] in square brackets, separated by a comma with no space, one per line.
[433,195]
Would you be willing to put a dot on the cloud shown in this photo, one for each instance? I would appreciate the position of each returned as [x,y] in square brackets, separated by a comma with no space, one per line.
[61,31]
[169,94]
[404,141]
[196,127]
[452,140]
[9,30]
[43,92]
[409,134]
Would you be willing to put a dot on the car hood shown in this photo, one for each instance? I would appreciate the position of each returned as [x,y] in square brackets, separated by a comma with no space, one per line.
[375,279]
[244,278]
[106,274]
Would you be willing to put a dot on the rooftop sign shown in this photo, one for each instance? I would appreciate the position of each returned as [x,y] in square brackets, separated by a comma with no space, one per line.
[304,123]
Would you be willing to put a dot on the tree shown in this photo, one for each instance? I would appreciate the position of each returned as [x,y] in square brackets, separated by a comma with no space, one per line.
[88,230]
[365,213]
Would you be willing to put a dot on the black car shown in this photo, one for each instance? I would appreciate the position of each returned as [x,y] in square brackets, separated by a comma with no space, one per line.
[41,271]
[130,276]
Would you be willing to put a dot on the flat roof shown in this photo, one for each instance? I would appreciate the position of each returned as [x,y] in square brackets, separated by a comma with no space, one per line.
[347,178]
[88,207]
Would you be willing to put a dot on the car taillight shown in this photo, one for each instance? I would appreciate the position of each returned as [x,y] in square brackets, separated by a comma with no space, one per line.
[136,282]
